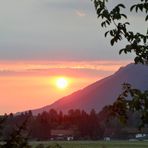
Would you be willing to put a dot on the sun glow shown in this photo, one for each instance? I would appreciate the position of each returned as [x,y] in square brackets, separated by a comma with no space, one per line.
[62,83]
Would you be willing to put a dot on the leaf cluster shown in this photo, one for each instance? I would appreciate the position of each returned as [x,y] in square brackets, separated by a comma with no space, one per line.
[137,42]
[18,139]
[133,100]
[143,7]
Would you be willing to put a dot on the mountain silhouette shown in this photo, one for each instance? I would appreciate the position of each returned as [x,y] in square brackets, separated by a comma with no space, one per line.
[102,92]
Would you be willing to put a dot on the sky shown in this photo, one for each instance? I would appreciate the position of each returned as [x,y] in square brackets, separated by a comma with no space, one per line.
[41,40]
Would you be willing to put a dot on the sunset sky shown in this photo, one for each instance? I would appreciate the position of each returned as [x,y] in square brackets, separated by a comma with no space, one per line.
[41,40]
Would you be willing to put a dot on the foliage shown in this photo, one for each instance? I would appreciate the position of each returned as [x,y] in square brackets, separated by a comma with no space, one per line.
[134,100]
[2,120]
[137,42]
[19,136]
[130,100]
[76,121]
[80,124]
[18,139]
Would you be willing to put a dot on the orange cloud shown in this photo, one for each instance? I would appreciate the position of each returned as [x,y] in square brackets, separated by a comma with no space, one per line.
[22,66]
[70,68]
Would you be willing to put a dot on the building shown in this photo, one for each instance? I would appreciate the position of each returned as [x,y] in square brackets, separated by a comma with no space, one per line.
[62,134]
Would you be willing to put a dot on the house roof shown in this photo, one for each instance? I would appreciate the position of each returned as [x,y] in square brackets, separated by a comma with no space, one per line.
[61,132]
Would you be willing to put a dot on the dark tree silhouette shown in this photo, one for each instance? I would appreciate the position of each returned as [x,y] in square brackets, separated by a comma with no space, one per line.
[137,42]
[18,138]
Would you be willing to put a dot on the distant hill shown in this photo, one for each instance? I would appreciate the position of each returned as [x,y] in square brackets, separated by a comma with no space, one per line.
[102,92]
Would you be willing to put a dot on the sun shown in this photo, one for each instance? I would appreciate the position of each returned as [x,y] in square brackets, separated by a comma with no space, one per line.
[62,83]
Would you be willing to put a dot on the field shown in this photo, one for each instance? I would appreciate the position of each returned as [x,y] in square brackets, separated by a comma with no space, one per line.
[98,144]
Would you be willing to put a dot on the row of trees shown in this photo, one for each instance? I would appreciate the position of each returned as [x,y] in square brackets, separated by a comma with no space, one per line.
[84,125]
[19,134]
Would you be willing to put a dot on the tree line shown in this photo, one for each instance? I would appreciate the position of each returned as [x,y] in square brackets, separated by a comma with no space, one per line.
[85,126]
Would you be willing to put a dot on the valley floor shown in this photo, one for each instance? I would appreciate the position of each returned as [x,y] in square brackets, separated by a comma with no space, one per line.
[96,144]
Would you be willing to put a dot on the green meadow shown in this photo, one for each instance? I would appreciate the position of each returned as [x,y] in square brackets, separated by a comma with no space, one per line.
[96,144]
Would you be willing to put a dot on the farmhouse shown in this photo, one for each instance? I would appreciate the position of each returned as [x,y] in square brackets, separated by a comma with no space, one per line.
[62,134]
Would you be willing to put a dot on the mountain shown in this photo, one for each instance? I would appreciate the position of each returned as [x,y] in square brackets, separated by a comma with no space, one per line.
[102,92]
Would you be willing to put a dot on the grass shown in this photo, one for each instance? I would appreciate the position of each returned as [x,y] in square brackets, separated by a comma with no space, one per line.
[98,144]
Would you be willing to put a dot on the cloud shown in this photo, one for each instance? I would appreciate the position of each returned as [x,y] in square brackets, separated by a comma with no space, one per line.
[80,13]
[70,68]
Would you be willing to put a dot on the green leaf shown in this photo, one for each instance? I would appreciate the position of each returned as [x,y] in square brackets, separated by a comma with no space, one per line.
[121,50]
[124,16]
[146,18]
[103,24]
[136,8]
[112,41]
[121,5]
[106,33]
[132,7]
[144,39]
[111,33]
[141,7]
